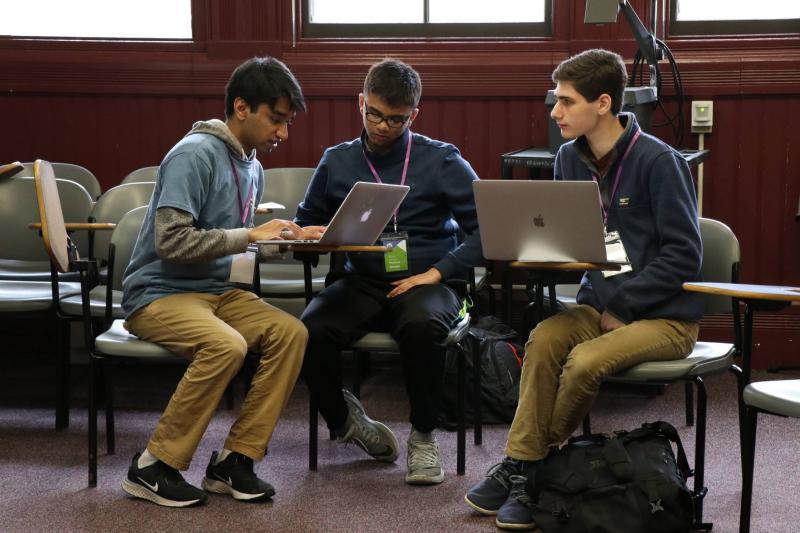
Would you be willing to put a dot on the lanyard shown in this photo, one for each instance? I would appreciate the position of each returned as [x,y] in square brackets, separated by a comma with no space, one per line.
[402,177]
[616,178]
[244,208]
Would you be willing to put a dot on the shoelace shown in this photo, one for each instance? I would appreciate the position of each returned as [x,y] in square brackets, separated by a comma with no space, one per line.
[501,472]
[365,430]
[518,491]
[423,454]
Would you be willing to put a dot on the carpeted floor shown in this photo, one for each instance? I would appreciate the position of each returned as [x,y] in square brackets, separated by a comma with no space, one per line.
[43,472]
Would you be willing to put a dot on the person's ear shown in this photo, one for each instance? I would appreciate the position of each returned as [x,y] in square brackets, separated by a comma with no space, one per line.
[413,115]
[361,100]
[240,108]
[604,104]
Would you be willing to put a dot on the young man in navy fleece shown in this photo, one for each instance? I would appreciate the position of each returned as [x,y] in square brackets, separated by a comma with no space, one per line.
[414,296]
[642,314]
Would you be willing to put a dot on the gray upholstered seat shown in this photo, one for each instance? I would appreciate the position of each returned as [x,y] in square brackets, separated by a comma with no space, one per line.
[117,341]
[29,296]
[706,358]
[72,305]
[778,397]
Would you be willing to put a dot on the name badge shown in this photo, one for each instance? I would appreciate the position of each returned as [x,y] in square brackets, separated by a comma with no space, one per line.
[242,268]
[615,252]
[395,259]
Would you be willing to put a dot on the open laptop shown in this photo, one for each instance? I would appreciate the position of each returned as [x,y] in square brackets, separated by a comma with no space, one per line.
[361,218]
[558,221]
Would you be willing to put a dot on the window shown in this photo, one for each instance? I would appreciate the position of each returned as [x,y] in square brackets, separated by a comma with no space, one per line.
[98,19]
[426,18]
[734,17]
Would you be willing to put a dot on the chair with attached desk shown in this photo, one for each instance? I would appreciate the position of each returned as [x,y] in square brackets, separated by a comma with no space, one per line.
[781,398]
[720,263]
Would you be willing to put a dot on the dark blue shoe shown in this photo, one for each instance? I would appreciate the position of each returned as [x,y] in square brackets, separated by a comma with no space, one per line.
[516,514]
[490,494]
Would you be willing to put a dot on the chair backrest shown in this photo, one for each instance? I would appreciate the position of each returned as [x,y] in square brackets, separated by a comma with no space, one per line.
[19,207]
[721,258]
[141,174]
[112,206]
[123,239]
[76,173]
[286,186]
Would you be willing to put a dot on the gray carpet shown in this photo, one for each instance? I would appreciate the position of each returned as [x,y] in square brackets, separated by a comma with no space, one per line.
[43,472]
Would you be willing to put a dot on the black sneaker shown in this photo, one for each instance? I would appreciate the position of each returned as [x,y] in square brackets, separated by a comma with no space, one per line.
[235,476]
[161,484]
[490,494]
[517,512]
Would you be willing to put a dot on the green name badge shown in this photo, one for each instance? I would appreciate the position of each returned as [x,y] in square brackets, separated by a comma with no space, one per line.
[395,259]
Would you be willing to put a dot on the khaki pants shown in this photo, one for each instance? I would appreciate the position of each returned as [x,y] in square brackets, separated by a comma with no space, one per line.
[215,332]
[566,358]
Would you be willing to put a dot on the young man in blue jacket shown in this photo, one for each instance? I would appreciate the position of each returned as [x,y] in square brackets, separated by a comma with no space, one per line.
[415,298]
[641,314]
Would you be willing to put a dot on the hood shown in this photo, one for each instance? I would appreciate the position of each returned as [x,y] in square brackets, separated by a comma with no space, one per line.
[219,129]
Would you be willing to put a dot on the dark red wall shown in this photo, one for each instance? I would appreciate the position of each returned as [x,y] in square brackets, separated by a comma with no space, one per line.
[114,107]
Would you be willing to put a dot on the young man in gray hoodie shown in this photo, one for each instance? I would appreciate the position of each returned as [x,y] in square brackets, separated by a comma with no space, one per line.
[180,291]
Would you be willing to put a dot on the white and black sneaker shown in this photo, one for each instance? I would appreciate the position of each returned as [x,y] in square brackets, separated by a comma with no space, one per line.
[161,484]
[370,435]
[234,475]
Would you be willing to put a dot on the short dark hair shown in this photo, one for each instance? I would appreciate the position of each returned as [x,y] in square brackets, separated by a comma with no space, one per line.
[263,80]
[593,73]
[394,81]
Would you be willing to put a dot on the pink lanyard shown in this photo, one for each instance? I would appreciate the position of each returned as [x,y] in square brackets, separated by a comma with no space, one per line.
[402,177]
[616,178]
[244,209]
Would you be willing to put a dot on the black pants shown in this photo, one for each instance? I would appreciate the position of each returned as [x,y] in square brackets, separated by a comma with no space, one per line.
[419,320]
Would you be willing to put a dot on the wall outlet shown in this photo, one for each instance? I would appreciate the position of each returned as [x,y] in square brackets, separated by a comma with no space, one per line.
[702,116]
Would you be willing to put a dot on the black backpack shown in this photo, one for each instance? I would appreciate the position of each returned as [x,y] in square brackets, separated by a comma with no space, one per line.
[500,366]
[628,483]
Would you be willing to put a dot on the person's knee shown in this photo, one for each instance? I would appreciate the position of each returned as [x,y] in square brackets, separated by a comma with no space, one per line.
[584,368]
[422,329]
[229,349]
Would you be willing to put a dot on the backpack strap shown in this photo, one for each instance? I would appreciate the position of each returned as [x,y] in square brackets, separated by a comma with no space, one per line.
[619,462]
[668,431]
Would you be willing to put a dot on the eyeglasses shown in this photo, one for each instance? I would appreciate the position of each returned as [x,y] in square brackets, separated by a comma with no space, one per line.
[394,121]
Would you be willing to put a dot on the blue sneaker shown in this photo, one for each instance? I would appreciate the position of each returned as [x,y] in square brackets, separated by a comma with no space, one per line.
[490,494]
[516,514]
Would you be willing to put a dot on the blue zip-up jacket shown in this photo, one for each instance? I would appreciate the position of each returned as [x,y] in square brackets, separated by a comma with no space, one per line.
[439,202]
[655,211]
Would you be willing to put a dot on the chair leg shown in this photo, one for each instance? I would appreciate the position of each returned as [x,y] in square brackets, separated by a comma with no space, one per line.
[312,433]
[587,425]
[748,459]
[689,393]
[361,362]
[460,406]
[740,389]
[108,381]
[477,428]
[62,374]
[700,456]
[92,422]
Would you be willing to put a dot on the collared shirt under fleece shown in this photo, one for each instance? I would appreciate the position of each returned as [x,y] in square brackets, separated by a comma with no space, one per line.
[654,209]
[439,202]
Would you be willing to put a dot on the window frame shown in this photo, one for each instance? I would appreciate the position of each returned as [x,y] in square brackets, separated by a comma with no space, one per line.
[728,28]
[426,30]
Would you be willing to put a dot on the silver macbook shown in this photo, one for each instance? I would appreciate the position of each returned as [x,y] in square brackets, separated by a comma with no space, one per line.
[361,218]
[557,221]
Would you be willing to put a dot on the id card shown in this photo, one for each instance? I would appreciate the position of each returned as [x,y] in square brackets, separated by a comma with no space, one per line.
[242,268]
[395,259]
[615,251]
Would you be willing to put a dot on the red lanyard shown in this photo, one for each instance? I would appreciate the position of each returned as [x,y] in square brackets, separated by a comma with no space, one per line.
[616,179]
[244,208]
[402,177]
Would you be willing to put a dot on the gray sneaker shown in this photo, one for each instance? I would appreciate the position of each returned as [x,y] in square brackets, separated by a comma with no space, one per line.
[371,436]
[424,461]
